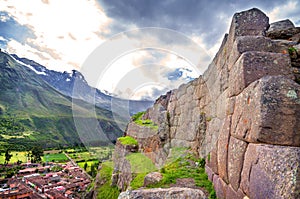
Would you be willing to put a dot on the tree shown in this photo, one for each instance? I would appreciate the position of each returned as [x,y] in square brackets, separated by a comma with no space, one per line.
[37,153]
[85,166]
[7,156]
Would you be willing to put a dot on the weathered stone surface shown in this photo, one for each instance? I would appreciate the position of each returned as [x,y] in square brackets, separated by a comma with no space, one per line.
[212,162]
[283,34]
[268,111]
[296,38]
[250,22]
[220,187]
[232,194]
[170,193]
[252,43]
[236,154]
[152,178]
[134,130]
[223,143]
[122,174]
[252,66]
[281,25]
[209,173]
[271,171]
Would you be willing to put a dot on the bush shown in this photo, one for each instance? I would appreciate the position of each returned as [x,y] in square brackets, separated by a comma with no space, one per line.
[127,140]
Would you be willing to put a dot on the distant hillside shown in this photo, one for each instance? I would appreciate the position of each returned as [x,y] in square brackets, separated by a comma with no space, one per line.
[64,83]
[32,112]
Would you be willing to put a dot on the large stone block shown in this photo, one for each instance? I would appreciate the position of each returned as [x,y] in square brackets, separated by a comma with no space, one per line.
[236,154]
[220,187]
[170,193]
[251,22]
[268,112]
[254,65]
[281,25]
[223,143]
[212,161]
[232,194]
[271,171]
[252,43]
[209,172]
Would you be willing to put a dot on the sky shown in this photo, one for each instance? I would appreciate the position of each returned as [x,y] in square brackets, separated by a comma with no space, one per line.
[135,49]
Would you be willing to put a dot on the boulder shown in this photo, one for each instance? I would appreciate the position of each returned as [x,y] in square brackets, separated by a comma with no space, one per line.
[281,25]
[236,152]
[254,65]
[152,178]
[250,22]
[170,193]
[268,111]
[271,171]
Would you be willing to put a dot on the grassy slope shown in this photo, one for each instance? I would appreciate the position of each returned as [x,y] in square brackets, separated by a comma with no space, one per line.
[41,114]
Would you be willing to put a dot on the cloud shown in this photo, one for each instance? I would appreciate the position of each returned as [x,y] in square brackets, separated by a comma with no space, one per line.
[62,34]
[77,22]
[289,9]
[206,18]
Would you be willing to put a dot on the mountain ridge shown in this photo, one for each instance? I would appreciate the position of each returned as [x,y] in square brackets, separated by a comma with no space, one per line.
[33,112]
[65,81]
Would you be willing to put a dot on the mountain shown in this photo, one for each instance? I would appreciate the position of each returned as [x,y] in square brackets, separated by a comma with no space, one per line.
[64,82]
[33,112]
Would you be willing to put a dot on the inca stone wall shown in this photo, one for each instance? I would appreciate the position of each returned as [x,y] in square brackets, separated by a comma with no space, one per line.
[243,114]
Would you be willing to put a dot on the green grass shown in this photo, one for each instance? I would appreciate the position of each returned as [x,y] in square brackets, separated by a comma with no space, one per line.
[105,190]
[94,153]
[138,180]
[55,157]
[137,118]
[140,163]
[127,140]
[182,168]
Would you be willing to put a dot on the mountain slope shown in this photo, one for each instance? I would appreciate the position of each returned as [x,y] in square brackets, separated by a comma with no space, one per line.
[33,112]
[64,82]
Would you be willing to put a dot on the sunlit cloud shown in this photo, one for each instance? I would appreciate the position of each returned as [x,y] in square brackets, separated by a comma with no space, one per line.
[71,29]
[287,10]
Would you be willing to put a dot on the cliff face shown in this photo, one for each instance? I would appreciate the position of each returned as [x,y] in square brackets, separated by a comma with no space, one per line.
[243,114]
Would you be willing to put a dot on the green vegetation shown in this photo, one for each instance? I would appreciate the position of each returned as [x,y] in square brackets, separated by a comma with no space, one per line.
[20,156]
[292,50]
[137,118]
[138,115]
[140,163]
[7,156]
[138,180]
[33,113]
[55,157]
[187,166]
[105,190]
[88,165]
[127,140]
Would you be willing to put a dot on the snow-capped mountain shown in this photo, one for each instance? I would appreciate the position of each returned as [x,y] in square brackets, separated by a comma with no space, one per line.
[64,83]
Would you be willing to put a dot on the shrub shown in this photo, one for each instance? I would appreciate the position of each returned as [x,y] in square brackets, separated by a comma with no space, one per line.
[138,115]
[127,140]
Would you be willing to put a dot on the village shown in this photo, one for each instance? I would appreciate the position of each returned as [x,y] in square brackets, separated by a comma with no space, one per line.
[51,181]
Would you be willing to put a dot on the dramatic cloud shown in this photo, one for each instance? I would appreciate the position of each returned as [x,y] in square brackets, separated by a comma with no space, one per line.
[67,31]
[62,34]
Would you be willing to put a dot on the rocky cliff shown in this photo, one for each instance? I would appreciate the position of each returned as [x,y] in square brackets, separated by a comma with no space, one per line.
[242,114]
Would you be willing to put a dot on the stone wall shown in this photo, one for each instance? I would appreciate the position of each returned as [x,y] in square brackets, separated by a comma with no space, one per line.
[243,114]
